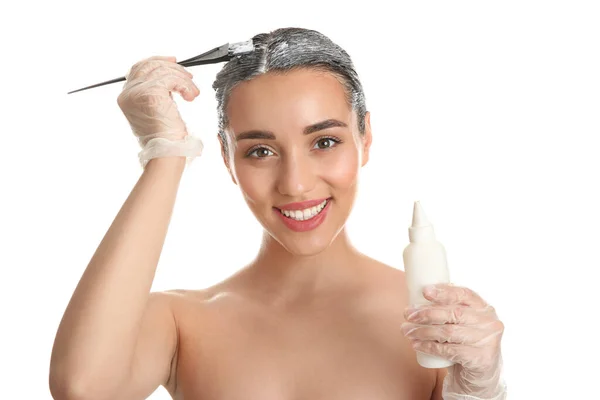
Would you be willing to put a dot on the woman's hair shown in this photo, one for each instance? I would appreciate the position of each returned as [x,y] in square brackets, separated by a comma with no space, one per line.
[284,50]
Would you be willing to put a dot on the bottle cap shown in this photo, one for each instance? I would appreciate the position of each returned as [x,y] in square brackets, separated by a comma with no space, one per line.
[421,229]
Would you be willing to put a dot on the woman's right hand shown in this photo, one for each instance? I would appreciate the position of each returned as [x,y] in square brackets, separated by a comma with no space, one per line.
[147,102]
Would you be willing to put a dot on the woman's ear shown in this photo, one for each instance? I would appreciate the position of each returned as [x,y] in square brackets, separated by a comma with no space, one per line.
[225,156]
[367,139]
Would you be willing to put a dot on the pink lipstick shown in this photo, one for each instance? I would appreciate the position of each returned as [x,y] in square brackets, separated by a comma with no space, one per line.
[304,216]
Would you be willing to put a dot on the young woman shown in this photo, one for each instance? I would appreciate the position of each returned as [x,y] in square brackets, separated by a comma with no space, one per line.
[310,317]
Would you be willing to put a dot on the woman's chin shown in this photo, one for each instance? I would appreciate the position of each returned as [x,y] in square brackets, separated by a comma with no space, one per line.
[305,248]
[305,244]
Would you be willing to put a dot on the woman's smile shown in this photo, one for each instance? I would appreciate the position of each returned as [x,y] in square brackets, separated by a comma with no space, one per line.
[304,219]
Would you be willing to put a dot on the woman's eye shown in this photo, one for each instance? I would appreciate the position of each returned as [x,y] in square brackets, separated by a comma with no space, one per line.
[260,152]
[326,143]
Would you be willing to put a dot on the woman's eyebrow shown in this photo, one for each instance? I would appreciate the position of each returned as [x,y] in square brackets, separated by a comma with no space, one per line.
[319,126]
[328,123]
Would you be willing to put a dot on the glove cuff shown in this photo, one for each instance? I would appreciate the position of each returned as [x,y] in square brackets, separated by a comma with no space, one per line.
[189,147]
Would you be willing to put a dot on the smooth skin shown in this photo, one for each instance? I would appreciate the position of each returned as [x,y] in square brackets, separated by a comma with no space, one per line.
[309,318]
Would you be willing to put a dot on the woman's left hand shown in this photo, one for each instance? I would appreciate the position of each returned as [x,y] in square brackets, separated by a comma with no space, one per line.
[461,327]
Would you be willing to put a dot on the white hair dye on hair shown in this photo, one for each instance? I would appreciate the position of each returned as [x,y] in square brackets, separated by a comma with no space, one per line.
[242,47]
[286,49]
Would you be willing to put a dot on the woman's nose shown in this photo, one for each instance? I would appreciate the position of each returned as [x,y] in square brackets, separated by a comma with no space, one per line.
[295,176]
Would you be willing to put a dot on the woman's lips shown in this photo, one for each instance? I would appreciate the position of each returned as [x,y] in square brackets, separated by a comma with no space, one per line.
[308,224]
[302,204]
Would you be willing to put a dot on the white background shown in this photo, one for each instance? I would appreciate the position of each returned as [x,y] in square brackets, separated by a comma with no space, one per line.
[486,112]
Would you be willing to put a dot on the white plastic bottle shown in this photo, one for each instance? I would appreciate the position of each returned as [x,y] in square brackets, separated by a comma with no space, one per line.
[424,264]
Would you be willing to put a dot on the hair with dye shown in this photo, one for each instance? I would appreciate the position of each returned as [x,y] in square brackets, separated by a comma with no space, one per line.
[283,50]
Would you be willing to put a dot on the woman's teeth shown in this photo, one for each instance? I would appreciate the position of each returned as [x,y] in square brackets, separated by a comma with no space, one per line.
[302,215]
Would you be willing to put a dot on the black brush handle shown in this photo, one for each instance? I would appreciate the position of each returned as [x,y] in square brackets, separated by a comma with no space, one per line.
[190,62]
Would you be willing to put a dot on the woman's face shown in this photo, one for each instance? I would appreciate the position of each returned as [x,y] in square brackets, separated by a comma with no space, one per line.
[294,139]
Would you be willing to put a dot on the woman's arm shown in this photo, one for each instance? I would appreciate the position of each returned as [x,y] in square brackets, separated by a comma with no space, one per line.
[113,328]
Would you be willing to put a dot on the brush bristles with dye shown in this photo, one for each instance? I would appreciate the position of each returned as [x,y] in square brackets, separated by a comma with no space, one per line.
[241,47]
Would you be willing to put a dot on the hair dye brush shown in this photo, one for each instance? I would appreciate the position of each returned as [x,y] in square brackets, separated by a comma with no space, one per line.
[219,54]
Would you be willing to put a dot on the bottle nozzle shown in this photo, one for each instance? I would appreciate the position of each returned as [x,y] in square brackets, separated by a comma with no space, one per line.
[421,229]
[419,217]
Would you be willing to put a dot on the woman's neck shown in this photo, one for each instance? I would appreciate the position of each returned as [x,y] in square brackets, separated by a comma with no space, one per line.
[283,276]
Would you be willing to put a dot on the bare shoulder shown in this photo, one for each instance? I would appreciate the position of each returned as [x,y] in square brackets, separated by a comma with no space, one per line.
[382,273]
[181,304]
[384,285]
[179,297]
[168,298]
[193,302]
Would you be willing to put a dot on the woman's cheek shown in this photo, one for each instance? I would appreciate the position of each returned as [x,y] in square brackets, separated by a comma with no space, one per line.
[254,182]
[341,167]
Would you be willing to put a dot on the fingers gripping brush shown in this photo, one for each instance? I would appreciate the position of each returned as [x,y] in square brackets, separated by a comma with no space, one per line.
[160,129]
[219,54]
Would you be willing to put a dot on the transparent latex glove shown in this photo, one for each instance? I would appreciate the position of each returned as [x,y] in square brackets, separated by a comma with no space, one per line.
[458,325]
[147,103]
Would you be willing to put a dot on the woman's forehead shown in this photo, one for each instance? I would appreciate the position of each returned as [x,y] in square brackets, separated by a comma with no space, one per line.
[295,98]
